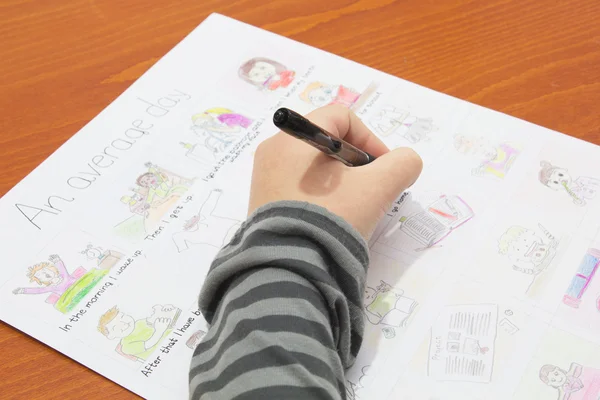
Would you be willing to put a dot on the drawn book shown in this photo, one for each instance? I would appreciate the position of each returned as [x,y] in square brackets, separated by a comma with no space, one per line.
[484,278]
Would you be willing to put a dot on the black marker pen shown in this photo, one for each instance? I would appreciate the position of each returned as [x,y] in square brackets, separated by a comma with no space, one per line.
[301,128]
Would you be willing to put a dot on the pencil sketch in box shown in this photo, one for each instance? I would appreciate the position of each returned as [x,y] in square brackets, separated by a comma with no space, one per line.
[66,273]
[479,343]
[564,367]
[430,226]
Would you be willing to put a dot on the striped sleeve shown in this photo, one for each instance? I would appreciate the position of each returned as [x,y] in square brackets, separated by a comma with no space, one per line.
[283,303]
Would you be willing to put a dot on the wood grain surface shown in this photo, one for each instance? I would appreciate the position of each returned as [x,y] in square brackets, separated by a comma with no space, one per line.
[62,62]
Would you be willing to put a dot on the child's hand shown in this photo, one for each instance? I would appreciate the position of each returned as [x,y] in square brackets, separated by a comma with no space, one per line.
[287,169]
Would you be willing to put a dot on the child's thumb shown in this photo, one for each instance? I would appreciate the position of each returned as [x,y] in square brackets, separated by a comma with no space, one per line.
[396,171]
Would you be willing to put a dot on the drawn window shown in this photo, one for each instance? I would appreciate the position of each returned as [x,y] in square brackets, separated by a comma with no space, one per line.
[453,335]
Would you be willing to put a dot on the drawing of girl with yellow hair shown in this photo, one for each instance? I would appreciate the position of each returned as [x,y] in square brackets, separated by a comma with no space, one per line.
[321,94]
[266,74]
[220,127]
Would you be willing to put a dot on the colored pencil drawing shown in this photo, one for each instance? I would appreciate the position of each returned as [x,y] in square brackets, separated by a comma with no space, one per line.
[387,306]
[66,289]
[558,179]
[206,228]
[431,225]
[577,383]
[195,339]
[584,275]
[266,74]
[219,128]
[320,94]
[529,251]
[138,339]
[391,122]
[104,259]
[462,343]
[494,160]
[155,193]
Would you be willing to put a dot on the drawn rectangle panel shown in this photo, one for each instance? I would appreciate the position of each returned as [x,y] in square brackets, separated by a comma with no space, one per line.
[199,227]
[429,222]
[63,277]
[334,84]
[462,345]
[579,306]
[479,343]
[263,79]
[490,151]
[404,115]
[522,252]
[563,367]
[565,180]
[392,301]
[212,133]
[136,203]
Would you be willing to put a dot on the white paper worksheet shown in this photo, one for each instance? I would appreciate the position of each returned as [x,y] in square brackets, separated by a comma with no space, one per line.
[483,281]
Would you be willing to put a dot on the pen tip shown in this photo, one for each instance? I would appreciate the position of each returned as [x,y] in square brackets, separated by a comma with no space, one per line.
[280,116]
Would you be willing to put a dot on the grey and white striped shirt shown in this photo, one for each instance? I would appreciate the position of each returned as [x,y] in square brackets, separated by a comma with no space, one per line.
[283,300]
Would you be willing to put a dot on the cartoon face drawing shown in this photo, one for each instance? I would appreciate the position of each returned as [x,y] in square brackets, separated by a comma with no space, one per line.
[261,71]
[266,74]
[557,377]
[47,275]
[528,246]
[555,178]
[147,180]
[120,326]
[323,95]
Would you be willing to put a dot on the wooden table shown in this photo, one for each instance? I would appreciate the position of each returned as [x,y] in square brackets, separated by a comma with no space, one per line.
[63,62]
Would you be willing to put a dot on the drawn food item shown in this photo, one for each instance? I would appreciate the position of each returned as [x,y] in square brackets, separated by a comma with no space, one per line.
[582,279]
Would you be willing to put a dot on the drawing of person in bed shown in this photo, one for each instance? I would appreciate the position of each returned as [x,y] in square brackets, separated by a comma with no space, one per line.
[220,128]
[388,306]
[391,121]
[580,189]
[495,160]
[138,338]
[529,252]
[266,74]
[321,94]
[578,383]
[65,290]
[205,227]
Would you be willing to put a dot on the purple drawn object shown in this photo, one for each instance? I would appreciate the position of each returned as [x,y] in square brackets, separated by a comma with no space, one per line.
[584,275]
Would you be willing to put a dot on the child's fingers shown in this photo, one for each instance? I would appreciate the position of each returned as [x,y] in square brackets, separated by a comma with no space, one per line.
[343,123]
